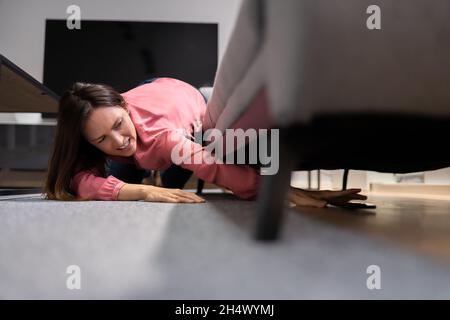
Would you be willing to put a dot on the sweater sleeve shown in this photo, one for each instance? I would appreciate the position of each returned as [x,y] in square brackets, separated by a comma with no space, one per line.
[86,184]
[242,180]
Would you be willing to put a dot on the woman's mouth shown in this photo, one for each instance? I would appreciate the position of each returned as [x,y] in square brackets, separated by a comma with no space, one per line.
[126,145]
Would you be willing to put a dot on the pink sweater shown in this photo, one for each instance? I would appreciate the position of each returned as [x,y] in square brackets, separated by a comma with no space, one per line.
[157,110]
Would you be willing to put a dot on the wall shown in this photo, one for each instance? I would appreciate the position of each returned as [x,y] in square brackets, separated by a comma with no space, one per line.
[22,23]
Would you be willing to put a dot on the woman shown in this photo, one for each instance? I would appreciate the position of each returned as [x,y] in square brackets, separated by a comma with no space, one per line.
[140,128]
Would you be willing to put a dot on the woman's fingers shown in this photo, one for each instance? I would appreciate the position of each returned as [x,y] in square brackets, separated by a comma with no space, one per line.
[182,196]
[338,193]
[359,197]
[328,196]
[164,198]
[188,195]
[302,200]
[350,194]
[173,196]
[193,196]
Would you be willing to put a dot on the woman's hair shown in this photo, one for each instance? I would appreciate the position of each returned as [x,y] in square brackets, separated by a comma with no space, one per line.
[71,152]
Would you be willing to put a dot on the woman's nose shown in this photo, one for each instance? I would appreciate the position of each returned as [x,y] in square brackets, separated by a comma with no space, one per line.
[118,139]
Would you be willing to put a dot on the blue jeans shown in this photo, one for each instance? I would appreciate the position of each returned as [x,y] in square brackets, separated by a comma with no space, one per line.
[173,177]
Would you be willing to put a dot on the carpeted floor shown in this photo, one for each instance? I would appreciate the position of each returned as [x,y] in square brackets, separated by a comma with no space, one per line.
[200,251]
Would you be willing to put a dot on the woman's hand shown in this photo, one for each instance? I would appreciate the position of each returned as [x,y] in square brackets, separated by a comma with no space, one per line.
[157,194]
[131,191]
[320,199]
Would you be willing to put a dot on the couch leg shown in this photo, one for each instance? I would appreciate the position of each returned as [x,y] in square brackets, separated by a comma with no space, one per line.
[200,185]
[272,194]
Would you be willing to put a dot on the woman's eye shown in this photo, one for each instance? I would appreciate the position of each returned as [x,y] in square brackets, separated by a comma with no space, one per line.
[101,140]
[119,124]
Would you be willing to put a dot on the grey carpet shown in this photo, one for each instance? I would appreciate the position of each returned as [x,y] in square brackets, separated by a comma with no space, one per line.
[203,251]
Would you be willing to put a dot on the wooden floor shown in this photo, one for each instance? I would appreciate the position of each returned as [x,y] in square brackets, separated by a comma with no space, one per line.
[418,223]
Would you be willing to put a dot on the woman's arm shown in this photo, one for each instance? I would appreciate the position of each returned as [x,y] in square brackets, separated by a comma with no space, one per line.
[131,191]
[242,180]
[88,185]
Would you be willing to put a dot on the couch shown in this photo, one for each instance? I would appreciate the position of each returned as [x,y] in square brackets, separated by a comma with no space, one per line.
[342,94]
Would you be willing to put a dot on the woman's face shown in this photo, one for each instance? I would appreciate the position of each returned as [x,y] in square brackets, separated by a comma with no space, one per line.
[111,130]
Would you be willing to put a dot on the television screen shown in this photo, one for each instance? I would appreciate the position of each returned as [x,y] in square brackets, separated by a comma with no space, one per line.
[123,54]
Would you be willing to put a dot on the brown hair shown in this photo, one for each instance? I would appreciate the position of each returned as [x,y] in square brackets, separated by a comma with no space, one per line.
[71,152]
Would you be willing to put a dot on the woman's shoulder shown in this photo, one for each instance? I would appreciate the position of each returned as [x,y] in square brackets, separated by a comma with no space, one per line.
[157,84]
